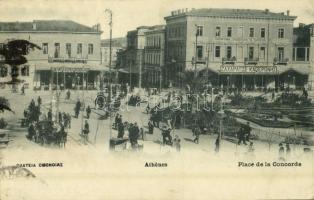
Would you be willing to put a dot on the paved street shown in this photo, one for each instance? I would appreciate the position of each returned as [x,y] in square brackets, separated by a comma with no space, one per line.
[100,132]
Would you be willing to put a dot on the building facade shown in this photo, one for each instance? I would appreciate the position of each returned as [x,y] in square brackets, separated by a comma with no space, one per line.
[303,49]
[236,48]
[154,54]
[117,44]
[69,58]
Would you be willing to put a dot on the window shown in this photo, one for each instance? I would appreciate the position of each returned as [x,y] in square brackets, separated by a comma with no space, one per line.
[25,70]
[241,32]
[300,54]
[281,54]
[90,49]
[218,31]
[3,71]
[57,50]
[199,51]
[251,34]
[199,31]
[281,33]
[45,48]
[217,51]
[79,48]
[229,32]
[68,49]
[262,32]
[251,53]
[262,53]
[229,52]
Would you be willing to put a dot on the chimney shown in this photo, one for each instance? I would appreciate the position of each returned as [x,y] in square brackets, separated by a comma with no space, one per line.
[34,26]
[288,12]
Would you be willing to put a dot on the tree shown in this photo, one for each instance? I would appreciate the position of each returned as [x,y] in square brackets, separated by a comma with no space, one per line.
[14,55]
[5,105]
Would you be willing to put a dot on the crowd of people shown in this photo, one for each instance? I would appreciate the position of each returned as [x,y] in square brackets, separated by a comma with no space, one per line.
[44,128]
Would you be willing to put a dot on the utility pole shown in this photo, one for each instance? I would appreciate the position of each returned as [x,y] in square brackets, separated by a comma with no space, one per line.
[110,90]
[195,60]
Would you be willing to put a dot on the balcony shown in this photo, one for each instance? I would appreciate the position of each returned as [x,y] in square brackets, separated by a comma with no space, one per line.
[229,61]
[52,59]
[251,61]
[284,61]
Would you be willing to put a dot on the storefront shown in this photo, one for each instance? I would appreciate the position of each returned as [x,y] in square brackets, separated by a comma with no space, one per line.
[69,76]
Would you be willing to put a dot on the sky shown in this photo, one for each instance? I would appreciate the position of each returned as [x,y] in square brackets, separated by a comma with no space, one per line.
[129,14]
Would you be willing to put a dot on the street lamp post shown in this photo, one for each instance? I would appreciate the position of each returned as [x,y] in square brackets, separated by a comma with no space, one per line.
[195,60]
[110,90]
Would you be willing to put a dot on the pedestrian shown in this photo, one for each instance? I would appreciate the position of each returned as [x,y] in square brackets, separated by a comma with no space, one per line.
[39,100]
[167,139]
[196,133]
[49,115]
[88,111]
[86,132]
[177,143]
[150,127]
[217,144]
[31,132]
[247,131]
[120,130]
[281,152]
[241,136]
[77,108]
[60,118]
[116,119]
[68,94]
[69,119]
[147,108]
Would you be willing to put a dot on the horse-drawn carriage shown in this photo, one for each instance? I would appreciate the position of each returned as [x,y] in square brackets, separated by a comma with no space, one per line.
[47,132]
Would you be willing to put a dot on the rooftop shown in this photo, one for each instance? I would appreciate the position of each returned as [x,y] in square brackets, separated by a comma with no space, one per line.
[116,42]
[46,26]
[237,13]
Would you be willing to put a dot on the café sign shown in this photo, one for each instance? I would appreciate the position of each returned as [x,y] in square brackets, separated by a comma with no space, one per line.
[247,69]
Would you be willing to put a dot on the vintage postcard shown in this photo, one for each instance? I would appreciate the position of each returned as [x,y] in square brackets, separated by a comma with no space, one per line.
[156,99]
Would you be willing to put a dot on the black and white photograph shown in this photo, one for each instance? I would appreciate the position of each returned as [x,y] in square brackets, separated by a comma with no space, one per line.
[156,99]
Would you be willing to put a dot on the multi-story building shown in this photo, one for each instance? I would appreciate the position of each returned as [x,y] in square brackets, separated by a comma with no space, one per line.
[131,70]
[232,47]
[70,54]
[132,61]
[117,44]
[154,56]
[303,52]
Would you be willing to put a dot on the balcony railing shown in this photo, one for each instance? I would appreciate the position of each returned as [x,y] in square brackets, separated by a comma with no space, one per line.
[231,60]
[201,60]
[52,59]
[284,61]
[251,61]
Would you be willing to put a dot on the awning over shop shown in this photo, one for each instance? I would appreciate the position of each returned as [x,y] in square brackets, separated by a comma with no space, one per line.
[70,67]
[303,69]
